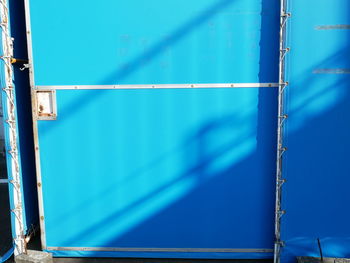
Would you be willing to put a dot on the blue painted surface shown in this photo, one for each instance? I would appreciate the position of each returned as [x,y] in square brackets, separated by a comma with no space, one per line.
[316,164]
[158,168]
[137,42]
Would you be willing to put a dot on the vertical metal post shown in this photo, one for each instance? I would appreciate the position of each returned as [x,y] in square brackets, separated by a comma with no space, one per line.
[281,119]
[11,133]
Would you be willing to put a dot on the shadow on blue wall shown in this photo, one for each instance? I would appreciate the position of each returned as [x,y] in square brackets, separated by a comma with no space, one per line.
[219,177]
[316,165]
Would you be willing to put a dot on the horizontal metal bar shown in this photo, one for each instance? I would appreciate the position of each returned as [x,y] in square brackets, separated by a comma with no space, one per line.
[128,249]
[332,71]
[162,86]
[329,27]
[3,181]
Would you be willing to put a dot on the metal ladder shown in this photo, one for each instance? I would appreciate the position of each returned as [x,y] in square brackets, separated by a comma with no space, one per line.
[11,132]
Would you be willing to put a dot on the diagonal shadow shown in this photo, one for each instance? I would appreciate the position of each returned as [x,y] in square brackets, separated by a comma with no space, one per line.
[266,107]
[196,171]
[146,57]
[206,162]
[172,39]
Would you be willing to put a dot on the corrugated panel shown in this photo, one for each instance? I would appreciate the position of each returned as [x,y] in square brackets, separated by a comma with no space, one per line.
[157,172]
[316,163]
[164,42]
[159,169]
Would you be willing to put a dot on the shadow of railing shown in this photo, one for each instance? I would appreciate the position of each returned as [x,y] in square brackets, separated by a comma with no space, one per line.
[242,154]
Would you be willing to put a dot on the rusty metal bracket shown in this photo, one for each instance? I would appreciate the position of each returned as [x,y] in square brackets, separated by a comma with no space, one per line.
[46,107]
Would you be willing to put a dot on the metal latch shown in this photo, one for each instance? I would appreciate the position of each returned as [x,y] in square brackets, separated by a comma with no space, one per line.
[46,104]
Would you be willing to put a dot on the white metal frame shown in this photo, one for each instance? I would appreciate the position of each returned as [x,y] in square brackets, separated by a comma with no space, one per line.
[10,116]
[282,116]
[180,250]
[35,124]
[161,86]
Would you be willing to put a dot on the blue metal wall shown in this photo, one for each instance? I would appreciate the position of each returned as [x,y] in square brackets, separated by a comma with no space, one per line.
[159,168]
[316,164]
[172,168]
[211,41]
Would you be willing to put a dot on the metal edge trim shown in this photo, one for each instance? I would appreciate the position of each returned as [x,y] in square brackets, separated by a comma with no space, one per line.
[35,125]
[161,86]
[332,27]
[193,250]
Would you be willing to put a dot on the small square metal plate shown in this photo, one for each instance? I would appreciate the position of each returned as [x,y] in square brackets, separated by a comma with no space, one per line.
[46,105]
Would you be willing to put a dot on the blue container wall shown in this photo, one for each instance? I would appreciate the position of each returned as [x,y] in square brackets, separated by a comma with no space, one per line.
[176,168]
[158,42]
[158,169]
[316,164]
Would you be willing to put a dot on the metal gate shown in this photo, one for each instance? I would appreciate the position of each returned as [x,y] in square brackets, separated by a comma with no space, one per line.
[154,126]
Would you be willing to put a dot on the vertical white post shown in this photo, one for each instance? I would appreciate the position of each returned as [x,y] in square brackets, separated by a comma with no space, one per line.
[11,136]
[281,119]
